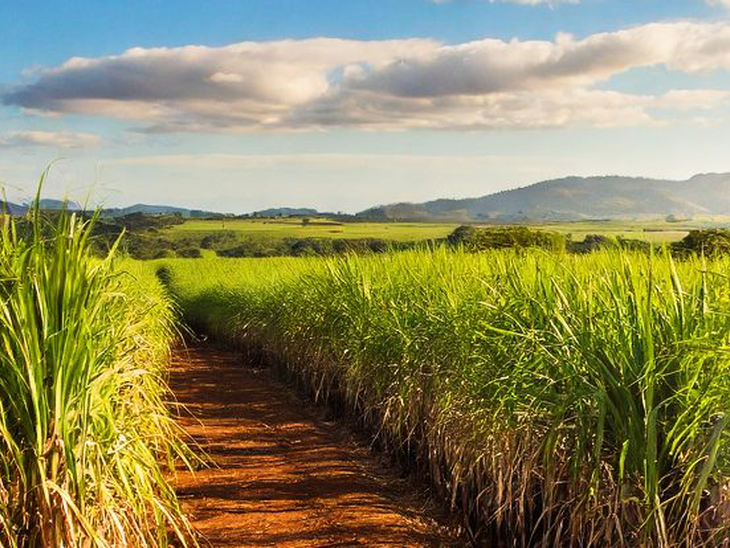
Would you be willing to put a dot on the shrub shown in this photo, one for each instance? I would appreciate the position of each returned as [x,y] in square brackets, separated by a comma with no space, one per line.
[707,242]
[593,242]
[217,240]
[189,253]
[632,244]
[519,237]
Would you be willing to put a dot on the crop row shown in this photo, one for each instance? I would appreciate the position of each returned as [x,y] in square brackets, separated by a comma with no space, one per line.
[551,398]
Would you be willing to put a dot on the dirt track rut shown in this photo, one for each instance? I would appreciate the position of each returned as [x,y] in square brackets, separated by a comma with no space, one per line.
[285,475]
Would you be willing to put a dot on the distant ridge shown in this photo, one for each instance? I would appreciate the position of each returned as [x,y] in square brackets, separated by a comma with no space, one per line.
[51,204]
[575,198]
[48,204]
[12,209]
[286,212]
[566,199]
[159,210]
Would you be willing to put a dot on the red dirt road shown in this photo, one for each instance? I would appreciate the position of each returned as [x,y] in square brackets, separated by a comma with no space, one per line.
[286,476]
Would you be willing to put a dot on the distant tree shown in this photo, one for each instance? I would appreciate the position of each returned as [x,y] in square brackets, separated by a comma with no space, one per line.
[632,244]
[190,253]
[593,242]
[480,239]
[708,242]
[218,240]
[464,234]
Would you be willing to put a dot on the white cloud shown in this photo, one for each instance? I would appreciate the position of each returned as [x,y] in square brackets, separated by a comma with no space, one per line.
[63,139]
[719,3]
[693,99]
[398,84]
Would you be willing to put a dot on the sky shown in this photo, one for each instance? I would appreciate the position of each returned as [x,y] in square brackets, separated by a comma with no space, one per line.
[242,105]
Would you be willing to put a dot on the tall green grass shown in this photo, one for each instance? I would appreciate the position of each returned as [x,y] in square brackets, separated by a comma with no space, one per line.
[84,426]
[556,400]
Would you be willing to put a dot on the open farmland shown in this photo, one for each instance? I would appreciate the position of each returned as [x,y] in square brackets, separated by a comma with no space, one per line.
[545,396]
[294,228]
[657,231]
[571,400]
[383,273]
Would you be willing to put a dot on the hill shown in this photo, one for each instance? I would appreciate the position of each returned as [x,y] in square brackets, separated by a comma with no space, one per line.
[13,209]
[286,212]
[573,198]
[159,210]
[55,205]
[48,204]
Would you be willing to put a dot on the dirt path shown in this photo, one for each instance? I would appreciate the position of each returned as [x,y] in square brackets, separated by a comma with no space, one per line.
[286,477]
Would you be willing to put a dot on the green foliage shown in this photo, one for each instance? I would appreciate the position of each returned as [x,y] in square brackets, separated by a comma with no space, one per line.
[557,399]
[518,237]
[593,242]
[83,420]
[218,240]
[190,253]
[463,235]
[309,247]
[134,222]
[707,242]
[632,244]
[283,228]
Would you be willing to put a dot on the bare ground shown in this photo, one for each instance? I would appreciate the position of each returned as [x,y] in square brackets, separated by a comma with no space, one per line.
[284,475]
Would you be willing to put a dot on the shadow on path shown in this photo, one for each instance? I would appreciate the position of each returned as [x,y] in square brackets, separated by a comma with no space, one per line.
[284,475]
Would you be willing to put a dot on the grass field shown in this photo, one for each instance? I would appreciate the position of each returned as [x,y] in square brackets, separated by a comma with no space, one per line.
[293,228]
[655,231]
[553,398]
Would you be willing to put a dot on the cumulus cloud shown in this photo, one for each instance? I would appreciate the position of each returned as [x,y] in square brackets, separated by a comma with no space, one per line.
[63,139]
[238,85]
[397,84]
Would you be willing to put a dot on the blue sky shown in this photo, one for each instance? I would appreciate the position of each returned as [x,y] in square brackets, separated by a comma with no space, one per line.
[241,105]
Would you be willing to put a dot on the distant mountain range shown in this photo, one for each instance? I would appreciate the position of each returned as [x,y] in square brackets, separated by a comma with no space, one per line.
[159,210]
[286,212]
[46,203]
[575,198]
[50,204]
[570,198]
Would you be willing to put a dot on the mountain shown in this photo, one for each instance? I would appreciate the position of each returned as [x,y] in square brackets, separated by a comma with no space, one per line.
[574,198]
[46,204]
[158,210]
[286,212]
[52,204]
[55,205]
[13,209]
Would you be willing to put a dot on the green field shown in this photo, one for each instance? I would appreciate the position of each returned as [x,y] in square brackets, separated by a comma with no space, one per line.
[656,231]
[553,397]
[293,228]
[570,400]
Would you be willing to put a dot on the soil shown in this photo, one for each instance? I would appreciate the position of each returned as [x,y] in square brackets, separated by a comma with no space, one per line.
[284,475]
